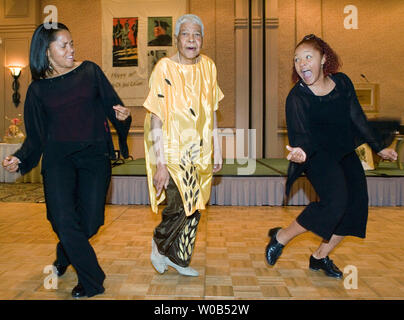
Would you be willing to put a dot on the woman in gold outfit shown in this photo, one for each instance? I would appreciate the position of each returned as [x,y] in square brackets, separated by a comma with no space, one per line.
[180,142]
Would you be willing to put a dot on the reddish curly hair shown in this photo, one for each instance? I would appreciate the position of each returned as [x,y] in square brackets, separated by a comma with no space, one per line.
[332,62]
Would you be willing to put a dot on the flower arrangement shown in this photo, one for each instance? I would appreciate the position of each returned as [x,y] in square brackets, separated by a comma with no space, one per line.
[13,132]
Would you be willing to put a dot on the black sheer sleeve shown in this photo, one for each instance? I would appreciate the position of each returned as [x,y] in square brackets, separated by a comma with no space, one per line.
[297,124]
[299,135]
[363,131]
[36,131]
[109,99]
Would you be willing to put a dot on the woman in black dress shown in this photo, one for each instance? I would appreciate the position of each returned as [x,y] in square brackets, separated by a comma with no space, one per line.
[325,124]
[66,112]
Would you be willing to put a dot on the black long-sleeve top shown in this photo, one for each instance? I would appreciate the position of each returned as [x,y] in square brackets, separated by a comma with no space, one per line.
[68,113]
[334,123]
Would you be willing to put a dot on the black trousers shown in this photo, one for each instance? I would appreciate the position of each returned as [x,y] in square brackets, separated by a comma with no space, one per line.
[175,235]
[75,191]
[342,189]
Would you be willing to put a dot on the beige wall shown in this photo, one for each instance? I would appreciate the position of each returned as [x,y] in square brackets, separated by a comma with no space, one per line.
[218,20]
[375,49]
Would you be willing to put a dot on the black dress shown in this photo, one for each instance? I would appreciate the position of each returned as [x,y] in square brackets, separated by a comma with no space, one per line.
[329,128]
[66,122]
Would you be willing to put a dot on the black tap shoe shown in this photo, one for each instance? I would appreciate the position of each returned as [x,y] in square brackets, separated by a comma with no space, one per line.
[274,248]
[330,269]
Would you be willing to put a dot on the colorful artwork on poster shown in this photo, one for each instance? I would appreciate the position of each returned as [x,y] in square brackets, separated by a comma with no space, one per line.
[153,57]
[159,31]
[125,42]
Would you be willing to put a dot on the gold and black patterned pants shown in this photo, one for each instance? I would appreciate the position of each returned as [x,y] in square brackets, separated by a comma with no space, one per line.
[175,235]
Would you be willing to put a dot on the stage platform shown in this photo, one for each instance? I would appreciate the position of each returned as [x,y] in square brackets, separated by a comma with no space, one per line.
[257,183]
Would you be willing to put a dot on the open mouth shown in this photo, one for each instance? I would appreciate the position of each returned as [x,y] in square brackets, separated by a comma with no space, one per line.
[306,74]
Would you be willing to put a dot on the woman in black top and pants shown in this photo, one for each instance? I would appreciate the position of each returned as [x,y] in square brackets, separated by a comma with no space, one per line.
[66,112]
[325,124]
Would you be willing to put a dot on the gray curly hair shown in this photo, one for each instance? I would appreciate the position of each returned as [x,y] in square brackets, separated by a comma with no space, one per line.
[188,18]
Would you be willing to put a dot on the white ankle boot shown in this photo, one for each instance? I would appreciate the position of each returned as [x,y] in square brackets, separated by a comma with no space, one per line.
[158,260]
[185,271]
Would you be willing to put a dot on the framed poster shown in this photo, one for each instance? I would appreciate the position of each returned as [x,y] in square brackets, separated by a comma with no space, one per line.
[159,31]
[135,34]
[124,47]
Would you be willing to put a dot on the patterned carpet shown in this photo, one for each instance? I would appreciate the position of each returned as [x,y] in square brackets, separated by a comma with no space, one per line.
[21,192]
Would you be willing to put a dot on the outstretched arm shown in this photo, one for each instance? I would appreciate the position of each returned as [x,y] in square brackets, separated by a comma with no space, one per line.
[361,123]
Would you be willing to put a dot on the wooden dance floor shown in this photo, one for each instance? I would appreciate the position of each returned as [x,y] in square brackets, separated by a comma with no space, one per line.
[229,256]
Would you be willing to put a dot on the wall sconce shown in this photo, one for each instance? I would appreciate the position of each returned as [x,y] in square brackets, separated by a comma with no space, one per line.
[16,72]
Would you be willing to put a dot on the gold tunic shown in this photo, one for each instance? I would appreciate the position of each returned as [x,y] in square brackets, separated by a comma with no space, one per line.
[184,97]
